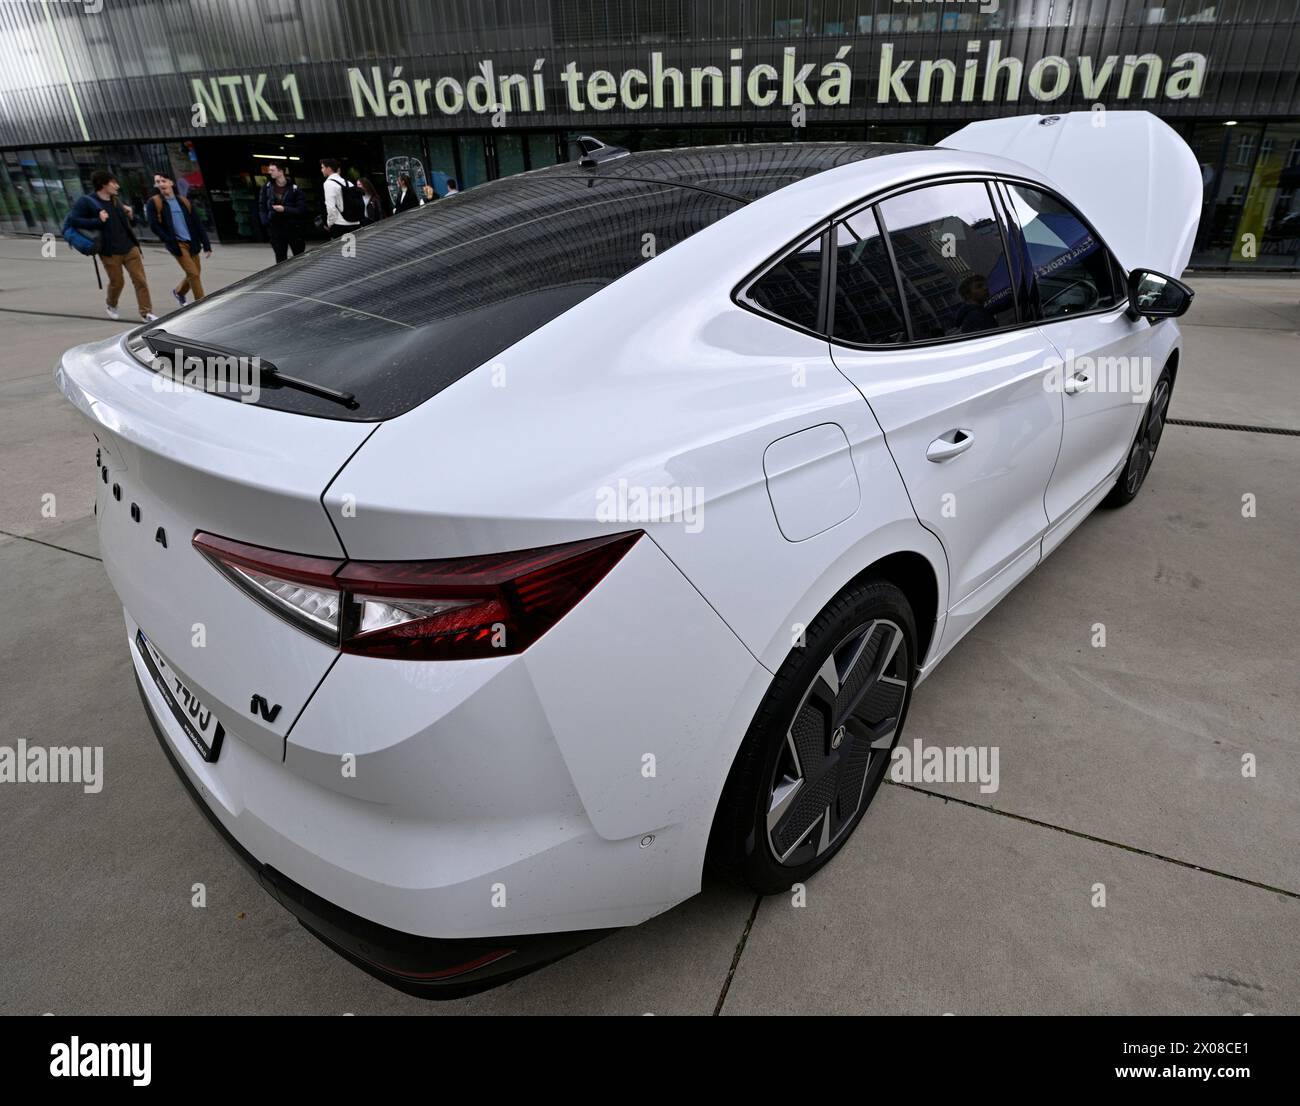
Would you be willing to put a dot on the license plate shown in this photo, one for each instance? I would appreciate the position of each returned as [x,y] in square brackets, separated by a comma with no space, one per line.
[198,722]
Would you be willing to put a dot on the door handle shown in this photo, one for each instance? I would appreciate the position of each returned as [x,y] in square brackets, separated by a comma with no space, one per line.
[948,445]
[1076,383]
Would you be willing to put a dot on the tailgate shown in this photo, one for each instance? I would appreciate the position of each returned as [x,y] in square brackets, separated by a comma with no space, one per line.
[173,462]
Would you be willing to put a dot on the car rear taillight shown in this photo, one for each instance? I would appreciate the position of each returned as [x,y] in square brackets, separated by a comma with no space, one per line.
[451,609]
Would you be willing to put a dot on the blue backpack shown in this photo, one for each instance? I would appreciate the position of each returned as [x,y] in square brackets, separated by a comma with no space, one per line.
[80,241]
[88,243]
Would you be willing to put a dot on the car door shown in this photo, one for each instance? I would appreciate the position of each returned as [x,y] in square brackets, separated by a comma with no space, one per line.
[927,324]
[1105,380]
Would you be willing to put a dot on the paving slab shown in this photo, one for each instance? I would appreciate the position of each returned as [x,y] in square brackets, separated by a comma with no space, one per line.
[65,283]
[1239,375]
[936,908]
[933,907]
[46,449]
[1245,301]
[98,888]
[1141,741]
[33,343]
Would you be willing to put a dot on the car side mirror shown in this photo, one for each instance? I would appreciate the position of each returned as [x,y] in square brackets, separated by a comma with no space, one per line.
[1153,295]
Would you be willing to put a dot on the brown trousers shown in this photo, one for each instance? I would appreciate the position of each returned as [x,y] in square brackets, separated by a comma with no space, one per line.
[189,261]
[133,263]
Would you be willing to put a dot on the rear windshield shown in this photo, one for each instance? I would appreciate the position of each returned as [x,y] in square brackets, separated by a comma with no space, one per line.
[433,293]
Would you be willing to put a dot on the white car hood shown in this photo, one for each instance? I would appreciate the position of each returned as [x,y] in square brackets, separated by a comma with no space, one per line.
[1128,172]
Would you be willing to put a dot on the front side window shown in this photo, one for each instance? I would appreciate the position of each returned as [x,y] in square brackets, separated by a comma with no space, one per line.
[867,311]
[950,256]
[1075,272]
[791,289]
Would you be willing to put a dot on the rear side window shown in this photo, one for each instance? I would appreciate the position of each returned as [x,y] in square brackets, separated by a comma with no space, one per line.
[426,297]
[867,310]
[791,289]
[1074,271]
[950,256]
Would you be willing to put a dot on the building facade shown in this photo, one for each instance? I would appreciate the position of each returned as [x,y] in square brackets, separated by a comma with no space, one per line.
[210,91]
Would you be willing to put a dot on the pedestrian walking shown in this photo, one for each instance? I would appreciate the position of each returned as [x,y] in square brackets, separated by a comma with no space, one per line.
[174,220]
[407,198]
[99,211]
[374,206]
[344,201]
[282,207]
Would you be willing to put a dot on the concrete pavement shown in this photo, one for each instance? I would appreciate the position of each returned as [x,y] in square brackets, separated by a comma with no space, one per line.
[1120,766]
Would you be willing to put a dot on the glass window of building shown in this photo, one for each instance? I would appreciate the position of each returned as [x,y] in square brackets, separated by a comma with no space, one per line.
[473,161]
[509,153]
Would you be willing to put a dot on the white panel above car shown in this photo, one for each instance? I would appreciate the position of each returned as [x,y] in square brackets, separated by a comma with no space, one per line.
[1129,173]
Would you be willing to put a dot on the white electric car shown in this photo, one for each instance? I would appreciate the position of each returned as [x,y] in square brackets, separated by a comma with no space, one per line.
[506,563]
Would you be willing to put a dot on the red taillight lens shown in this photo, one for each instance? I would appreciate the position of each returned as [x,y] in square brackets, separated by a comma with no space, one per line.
[422,610]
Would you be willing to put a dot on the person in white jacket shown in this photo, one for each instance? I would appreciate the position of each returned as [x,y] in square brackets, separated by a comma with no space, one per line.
[335,222]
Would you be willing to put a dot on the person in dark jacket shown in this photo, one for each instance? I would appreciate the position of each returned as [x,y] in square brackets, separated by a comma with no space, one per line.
[282,206]
[374,209]
[177,226]
[407,198]
[99,210]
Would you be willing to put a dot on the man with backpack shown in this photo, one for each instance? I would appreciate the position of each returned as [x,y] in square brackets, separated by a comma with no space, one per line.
[106,224]
[177,225]
[344,203]
[282,208]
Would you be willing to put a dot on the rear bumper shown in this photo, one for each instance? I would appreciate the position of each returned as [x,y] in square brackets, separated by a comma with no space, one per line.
[427,967]
[420,817]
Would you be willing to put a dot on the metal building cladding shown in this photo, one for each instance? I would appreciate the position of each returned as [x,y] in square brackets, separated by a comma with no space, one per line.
[478,89]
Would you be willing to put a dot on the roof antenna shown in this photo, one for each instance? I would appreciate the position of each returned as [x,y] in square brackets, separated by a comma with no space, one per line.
[594,152]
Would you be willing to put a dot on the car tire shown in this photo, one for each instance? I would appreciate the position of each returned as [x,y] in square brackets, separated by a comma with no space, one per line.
[1145,443]
[820,743]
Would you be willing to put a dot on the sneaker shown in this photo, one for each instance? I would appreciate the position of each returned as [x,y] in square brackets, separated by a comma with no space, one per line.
[112,312]
[178,298]
[149,318]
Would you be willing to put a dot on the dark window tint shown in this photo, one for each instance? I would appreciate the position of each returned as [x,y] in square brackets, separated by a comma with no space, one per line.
[1075,272]
[791,288]
[424,298]
[949,252]
[866,294]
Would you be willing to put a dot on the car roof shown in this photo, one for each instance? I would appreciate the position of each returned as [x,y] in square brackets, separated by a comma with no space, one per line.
[743,171]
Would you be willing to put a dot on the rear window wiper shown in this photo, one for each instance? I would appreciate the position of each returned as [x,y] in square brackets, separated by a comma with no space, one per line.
[164,344]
